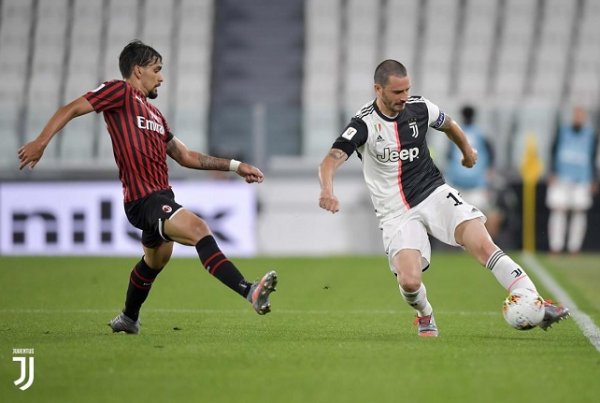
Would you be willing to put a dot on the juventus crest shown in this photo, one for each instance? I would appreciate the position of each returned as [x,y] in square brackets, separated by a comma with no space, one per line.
[412,123]
[25,357]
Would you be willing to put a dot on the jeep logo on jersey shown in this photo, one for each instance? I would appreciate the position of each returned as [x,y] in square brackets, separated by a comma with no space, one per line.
[394,155]
[146,124]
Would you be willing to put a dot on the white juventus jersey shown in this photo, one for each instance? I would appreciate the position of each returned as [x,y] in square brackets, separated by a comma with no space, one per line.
[397,167]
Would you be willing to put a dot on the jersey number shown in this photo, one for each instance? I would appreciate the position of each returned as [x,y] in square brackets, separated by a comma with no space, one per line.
[456,201]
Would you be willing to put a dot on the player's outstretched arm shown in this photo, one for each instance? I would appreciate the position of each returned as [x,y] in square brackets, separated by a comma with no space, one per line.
[456,134]
[332,161]
[32,152]
[195,160]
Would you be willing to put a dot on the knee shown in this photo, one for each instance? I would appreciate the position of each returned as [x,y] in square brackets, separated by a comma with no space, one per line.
[407,264]
[409,282]
[198,229]
[193,231]
[186,228]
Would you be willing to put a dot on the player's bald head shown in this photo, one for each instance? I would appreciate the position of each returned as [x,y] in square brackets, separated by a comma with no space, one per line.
[389,68]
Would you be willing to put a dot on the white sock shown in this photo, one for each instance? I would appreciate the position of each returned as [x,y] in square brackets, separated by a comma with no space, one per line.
[557,228]
[577,230]
[509,274]
[418,300]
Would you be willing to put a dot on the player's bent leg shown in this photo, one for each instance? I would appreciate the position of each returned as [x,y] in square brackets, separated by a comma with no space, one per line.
[187,228]
[473,236]
[407,264]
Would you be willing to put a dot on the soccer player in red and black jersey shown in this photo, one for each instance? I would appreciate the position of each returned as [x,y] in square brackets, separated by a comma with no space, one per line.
[141,140]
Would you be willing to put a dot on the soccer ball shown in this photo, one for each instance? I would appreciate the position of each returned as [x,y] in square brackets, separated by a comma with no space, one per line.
[523,309]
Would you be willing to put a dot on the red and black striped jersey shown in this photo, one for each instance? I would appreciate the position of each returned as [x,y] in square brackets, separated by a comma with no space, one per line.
[139,135]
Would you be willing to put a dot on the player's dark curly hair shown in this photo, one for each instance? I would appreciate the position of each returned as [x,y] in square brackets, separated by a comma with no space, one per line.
[137,53]
[389,68]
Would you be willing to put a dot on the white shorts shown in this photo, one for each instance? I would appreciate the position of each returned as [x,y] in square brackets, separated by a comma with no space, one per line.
[438,215]
[564,195]
[479,197]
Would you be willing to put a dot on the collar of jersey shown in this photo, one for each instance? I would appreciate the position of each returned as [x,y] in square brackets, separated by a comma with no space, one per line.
[383,115]
[136,91]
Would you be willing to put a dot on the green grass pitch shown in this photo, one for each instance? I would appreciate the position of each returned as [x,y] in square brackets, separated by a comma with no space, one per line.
[338,332]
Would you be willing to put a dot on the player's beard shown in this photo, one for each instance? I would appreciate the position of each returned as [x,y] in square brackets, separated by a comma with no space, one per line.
[390,105]
[394,107]
[153,94]
[397,107]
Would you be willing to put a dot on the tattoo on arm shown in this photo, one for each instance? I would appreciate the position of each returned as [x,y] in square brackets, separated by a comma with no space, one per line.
[207,162]
[192,159]
[337,154]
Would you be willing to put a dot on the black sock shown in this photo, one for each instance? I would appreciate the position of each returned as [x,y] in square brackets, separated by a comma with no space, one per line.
[140,282]
[217,264]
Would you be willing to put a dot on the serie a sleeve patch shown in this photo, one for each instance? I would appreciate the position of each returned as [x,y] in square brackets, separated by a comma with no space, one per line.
[349,133]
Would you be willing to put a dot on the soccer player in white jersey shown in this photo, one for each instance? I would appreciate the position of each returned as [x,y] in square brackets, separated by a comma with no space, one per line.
[410,196]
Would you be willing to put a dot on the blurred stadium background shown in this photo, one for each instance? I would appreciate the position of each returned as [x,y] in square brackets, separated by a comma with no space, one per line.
[273,82]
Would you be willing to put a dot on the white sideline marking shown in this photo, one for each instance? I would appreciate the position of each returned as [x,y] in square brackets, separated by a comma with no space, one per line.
[585,323]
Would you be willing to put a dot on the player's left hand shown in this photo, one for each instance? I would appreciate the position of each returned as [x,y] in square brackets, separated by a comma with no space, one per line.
[329,202]
[469,158]
[30,154]
[250,173]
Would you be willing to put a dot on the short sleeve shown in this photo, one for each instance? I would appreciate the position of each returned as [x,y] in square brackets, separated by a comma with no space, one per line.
[109,95]
[436,116]
[354,135]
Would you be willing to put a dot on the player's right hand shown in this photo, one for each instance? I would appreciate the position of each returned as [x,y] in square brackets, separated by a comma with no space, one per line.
[469,158]
[329,202]
[30,154]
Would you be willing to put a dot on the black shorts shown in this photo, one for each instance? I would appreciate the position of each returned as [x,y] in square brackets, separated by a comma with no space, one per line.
[150,213]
